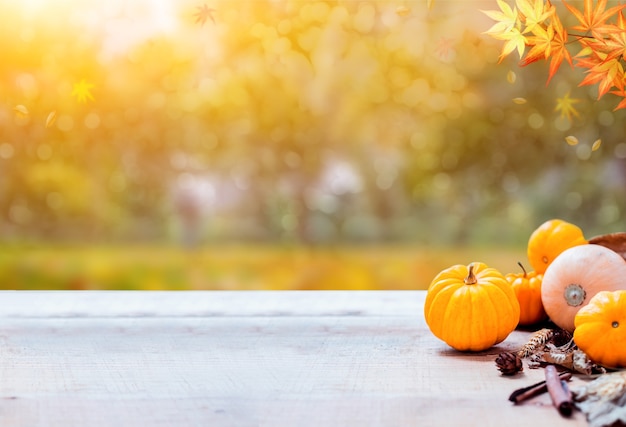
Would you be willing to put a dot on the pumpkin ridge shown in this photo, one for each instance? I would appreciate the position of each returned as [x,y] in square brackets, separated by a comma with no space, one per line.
[438,286]
[473,332]
[456,320]
[434,317]
[479,335]
[491,313]
[594,349]
[441,285]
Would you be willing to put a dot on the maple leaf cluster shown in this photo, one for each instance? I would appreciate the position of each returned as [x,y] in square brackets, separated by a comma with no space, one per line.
[534,29]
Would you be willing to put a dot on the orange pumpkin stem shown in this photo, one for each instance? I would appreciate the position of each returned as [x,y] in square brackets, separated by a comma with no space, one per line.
[471,278]
[523,269]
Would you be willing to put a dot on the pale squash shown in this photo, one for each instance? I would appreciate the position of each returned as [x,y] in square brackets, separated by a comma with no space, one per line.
[575,276]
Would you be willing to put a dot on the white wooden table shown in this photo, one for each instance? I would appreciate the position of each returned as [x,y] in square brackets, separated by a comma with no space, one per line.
[247,359]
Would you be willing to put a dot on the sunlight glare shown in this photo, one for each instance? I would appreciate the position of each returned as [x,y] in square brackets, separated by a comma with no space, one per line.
[123,24]
[126,31]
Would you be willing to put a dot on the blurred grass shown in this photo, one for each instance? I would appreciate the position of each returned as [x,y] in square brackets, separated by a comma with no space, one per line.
[231,267]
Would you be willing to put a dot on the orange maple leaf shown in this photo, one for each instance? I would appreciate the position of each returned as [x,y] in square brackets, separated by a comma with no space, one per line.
[620,92]
[558,47]
[541,43]
[549,43]
[203,13]
[443,48]
[593,20]
[606,72]
[615,45]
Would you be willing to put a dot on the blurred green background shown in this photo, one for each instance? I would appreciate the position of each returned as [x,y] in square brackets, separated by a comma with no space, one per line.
[267,144]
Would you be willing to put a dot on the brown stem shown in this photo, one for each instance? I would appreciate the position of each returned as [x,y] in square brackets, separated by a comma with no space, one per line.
[523,269]
[471,279]
[526,393]
[559,392]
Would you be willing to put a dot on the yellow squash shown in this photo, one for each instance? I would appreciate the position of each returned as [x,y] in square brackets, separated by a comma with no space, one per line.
[471,308]
[601,329]
[549,240]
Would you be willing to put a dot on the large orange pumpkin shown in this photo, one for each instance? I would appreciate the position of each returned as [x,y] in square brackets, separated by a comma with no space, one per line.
[575,276]
[527,288]
[549,240]
[471,308]
[601,329]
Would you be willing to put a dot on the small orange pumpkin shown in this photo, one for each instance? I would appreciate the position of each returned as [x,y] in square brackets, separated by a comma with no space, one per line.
[575,276]
[471,308]
[527,287]
[549,240]
[601,329]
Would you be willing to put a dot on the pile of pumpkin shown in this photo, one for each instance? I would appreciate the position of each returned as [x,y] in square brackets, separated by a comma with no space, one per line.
[578,284]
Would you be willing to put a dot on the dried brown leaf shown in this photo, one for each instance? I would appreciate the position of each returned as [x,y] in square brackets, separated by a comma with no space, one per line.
[603,400]
[403,11]
[21,110]
[51,118]
[511,77]
[613,241]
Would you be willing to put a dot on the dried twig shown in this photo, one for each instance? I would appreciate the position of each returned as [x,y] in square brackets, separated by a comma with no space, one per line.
[522,394]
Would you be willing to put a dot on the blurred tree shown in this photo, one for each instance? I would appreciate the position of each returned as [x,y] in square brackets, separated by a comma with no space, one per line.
[310,121]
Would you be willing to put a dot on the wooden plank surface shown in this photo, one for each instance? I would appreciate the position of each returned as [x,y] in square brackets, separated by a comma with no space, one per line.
[247,359]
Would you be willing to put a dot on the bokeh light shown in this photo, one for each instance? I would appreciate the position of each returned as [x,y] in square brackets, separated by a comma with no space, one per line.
[282,125]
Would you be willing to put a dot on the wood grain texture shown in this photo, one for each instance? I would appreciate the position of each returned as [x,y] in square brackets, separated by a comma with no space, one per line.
[247,359]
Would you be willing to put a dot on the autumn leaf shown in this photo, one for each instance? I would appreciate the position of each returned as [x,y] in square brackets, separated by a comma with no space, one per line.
[514,40]
[593,20]
[615,44]
[507,28]
[20,110]
[51,118]
[541,43]
[519,101]
[511,76]
[82,91]
[535,12]
[618,38]
[565,106]
[620,92]
[506,18]
[443,47]
[607,73]
[596,144]
[558,47]
[571,140]
[203,13]
[403,11]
